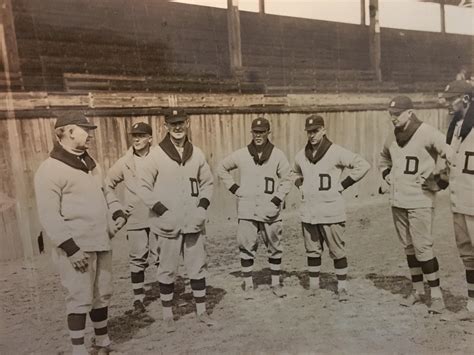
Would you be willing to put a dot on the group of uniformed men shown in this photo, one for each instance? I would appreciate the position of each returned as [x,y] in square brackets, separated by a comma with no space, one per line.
[168,189]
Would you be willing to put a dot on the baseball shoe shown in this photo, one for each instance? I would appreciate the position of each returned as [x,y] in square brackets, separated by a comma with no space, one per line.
[100,350]
[138,307]
[206,319]
[412,299]
[343,296]
[279,291]
[461,316]
[170,326]
[437,306]
[249,292]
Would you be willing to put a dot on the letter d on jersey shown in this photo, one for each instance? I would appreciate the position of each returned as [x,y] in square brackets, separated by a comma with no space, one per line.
[412,165]
[466,169]
[324,182]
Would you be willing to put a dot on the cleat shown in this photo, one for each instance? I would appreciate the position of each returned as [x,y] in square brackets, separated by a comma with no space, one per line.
[170,326]
[249,292]
[412,299]
[437,306]
[278,291]
[138,307]
[206,319]
[343,296]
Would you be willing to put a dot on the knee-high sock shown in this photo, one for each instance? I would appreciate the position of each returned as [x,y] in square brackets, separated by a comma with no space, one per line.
[430,269]
[314,268]
[275,269]
[340,265]
[199,293]
[166,296]
[99,317]
[76,323]
[470,290]
[247,266]
[416,273]
[138,279]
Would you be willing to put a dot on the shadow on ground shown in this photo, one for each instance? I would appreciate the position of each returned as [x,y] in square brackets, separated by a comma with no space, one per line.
[402,285]
[124,327]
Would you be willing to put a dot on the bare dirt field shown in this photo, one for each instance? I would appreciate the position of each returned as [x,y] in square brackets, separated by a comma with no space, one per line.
[33,311]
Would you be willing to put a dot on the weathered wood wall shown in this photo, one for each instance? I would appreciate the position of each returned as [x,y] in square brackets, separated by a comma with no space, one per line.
[218,131]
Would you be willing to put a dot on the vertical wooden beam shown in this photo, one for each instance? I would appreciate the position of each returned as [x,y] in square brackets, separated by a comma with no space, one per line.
[233,28]
[11,61]
[362,12]
[374,38]
[261,7]
[442,16]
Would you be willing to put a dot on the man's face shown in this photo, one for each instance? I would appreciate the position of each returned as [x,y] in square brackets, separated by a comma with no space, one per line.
[399,118]
[455,104]
[141,141]
[178,130]
[260,137]
[81,137]
[316,135]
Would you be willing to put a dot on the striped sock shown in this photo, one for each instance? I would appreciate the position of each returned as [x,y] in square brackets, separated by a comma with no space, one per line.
[340,266]
[430,269]
[247,266]
[314,268]
[275,269]
[99,318]
[416,273]
[470,290]
[199,293]
[166,296]
[77,324]
[138,279]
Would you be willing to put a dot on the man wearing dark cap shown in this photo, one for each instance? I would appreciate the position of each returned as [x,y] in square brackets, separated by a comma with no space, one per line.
[407,163]
[317,173]
[459,96]
[73,211]
[176,184]
[264,184]
[143,244]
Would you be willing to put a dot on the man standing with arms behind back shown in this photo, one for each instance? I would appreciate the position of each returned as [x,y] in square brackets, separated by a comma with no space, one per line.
[73,212]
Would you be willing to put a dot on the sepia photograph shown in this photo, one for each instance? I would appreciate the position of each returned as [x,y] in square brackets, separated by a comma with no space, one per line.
[236,177]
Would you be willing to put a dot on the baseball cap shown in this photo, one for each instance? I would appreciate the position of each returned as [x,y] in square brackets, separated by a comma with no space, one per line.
[456,88]
[74,118]
[400,104]
[174,115]
[313,122]
[141,128]
[260,124]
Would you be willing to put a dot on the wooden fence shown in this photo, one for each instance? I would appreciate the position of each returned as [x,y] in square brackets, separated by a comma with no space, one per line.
[27,139]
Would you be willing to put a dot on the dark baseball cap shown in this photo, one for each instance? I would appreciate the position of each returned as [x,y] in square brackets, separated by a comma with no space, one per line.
[141,128]
[74,118]
[174,115]
[399,104]
[313,122]
[260,124]
[457,88]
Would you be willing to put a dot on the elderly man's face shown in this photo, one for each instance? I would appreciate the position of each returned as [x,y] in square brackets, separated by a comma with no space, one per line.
[178,130]
[454,104]
[81,137]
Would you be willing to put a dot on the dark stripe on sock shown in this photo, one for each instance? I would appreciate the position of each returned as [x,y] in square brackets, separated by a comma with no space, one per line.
[413,261]
[166,289]
[246,274]
[313,274]
[430,266]
[275,272]
[341,277]
[100,331]
[340,263]
[98,314]
[198,285]
[76,321]
[77,341]
[470,276]
[167,303]
[417,278]
[138,277]
[246,262]
[274,261]
[138,291]
[200,299]
[314,261]
[470,293]
[434,283]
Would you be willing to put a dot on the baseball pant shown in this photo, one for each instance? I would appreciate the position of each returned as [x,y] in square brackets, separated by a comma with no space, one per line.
[86,290]
[414,229]
[248,233]
[316,234]
[464,234]
[192,248]
[144,249]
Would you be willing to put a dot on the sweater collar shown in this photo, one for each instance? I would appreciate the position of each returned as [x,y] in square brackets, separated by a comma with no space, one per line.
[169,148]
[320,150]
[404,134]
[266,152]
[466,126]
[82,162]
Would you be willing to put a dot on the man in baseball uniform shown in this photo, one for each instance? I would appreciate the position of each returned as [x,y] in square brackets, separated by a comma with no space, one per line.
[72,209]
[176,184]
[143,245]
[317,173]
[459,96]
[407,164]
[264,183]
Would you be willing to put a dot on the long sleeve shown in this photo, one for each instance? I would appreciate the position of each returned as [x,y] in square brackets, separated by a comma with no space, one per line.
[297,174]
[112,180]
[284,173]
[358,167]
[385,161]
[147,178]
[206,183]
[223,171]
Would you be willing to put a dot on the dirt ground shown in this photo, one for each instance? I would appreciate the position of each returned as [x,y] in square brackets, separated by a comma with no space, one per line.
[33,311]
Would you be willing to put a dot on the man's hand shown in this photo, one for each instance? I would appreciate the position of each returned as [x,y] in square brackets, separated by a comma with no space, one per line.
[341,188]
[271,210]
[198,217]
[79,261]
[168,221]
[119,223]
